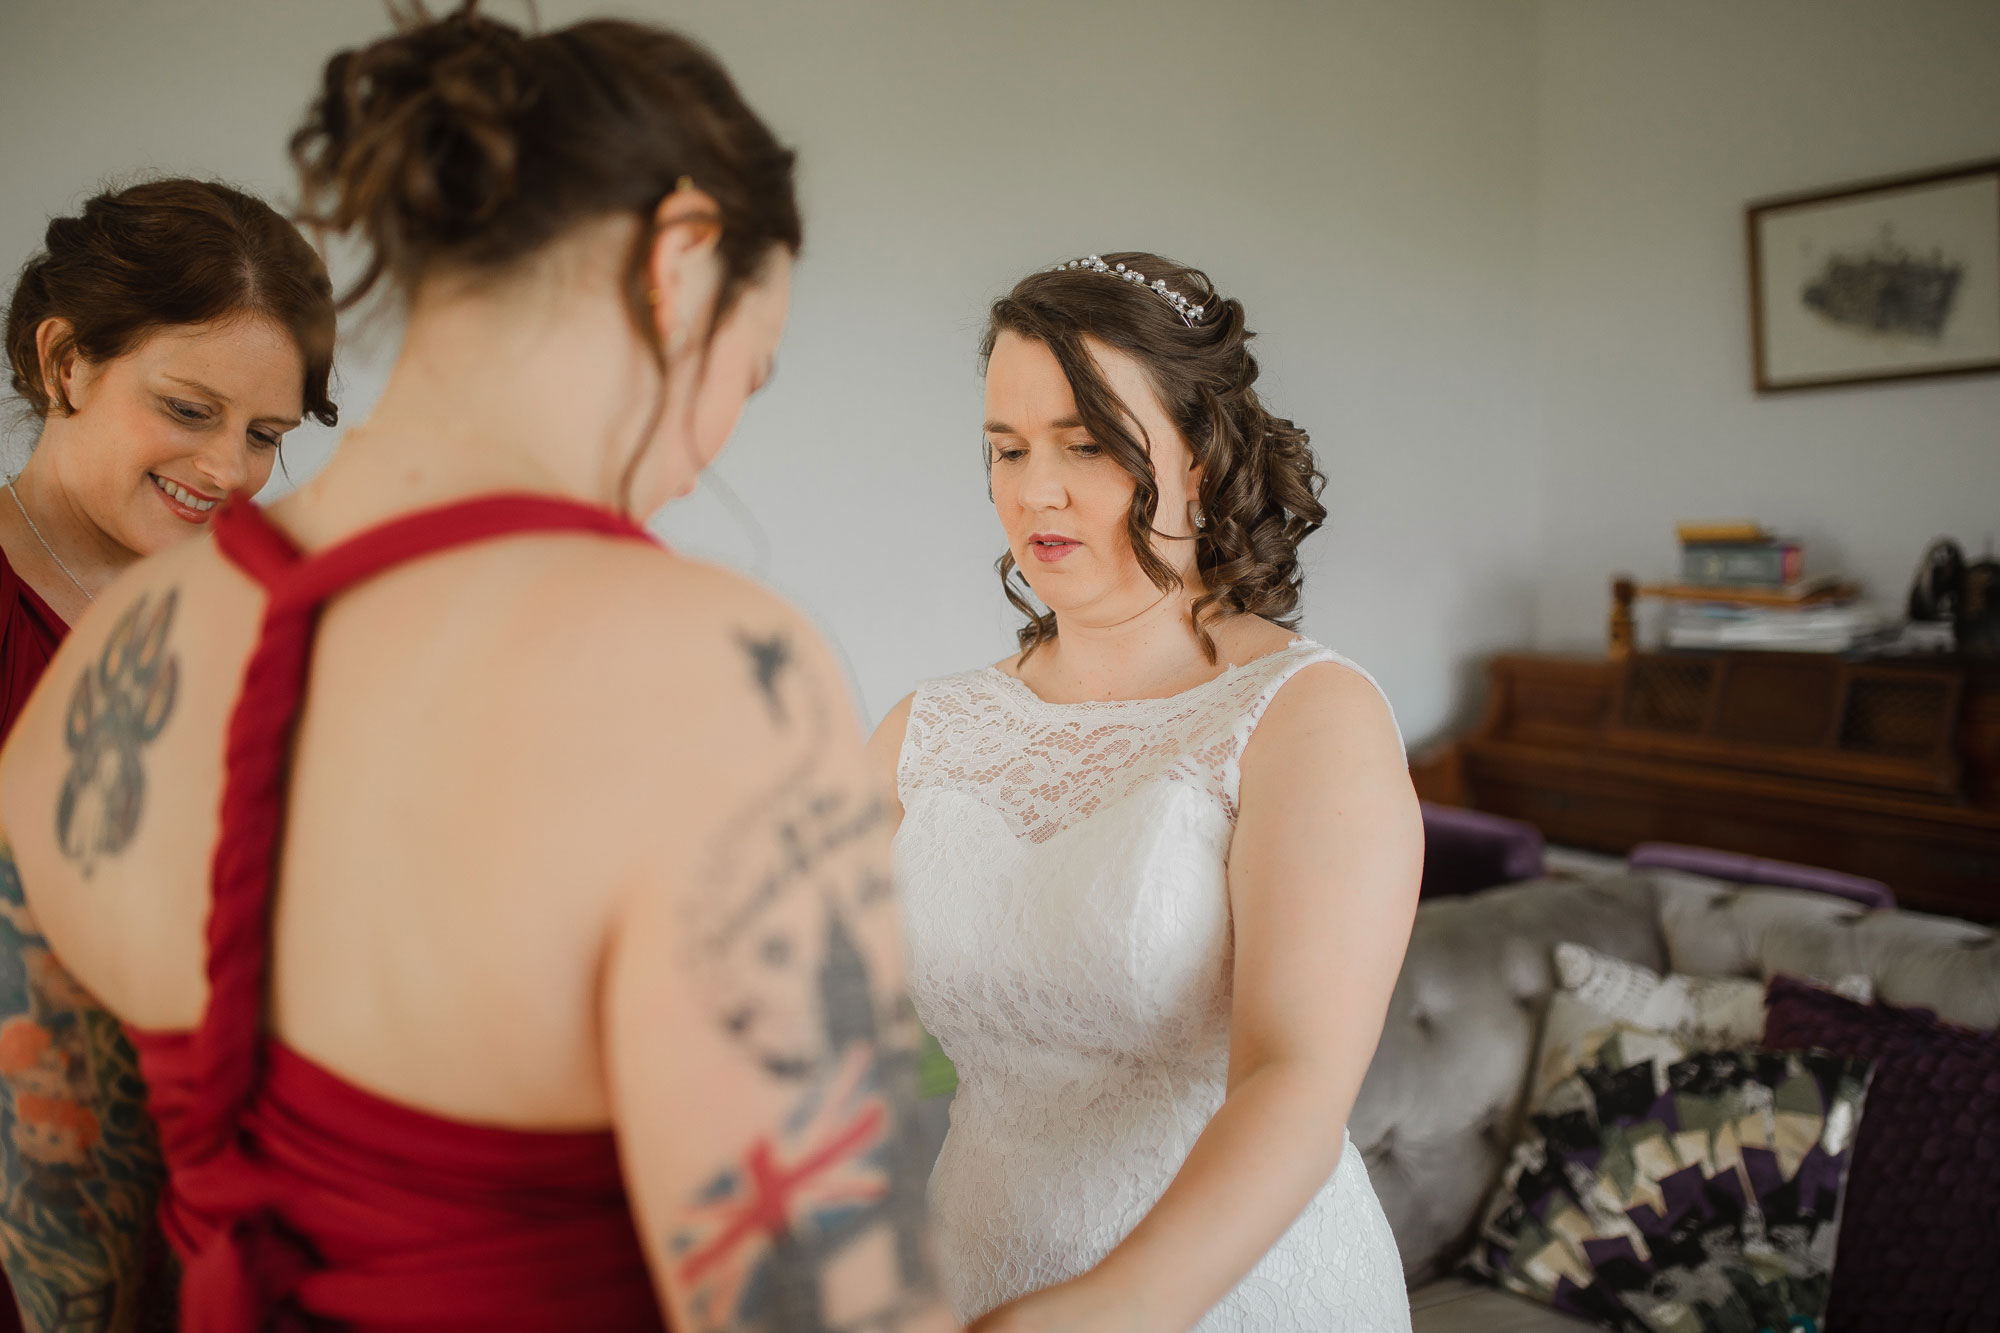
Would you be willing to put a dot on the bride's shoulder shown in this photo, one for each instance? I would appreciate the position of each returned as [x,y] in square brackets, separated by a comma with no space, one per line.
[1322,704]
[1300,685]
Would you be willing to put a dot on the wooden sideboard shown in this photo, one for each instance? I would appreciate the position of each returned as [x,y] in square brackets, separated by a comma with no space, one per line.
[1889,769]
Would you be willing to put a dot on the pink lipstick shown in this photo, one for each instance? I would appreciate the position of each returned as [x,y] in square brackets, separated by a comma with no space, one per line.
[1050,547]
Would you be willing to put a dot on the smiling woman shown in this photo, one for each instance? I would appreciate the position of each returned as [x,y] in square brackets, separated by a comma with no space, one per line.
[166,338]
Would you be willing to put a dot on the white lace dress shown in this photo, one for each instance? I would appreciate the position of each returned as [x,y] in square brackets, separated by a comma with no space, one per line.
[1062,867]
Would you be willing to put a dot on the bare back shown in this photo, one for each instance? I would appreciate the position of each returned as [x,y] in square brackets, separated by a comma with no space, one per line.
[457,824]
[577,833]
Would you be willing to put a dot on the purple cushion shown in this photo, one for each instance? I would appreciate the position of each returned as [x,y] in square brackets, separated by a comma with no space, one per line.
[1468,850]
[1920,1231]
[1871,893]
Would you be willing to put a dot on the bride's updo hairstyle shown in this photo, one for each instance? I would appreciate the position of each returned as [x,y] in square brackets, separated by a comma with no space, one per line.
[462,146]
[1260,485]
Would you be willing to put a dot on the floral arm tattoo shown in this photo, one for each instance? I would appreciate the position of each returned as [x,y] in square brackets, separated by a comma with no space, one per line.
[80,1168]
[836,1190]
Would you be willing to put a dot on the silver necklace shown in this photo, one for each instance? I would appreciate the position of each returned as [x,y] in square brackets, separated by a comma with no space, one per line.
[45,544]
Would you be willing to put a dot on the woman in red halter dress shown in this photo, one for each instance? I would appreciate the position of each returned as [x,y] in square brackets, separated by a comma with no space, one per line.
[497,903]
[166,337]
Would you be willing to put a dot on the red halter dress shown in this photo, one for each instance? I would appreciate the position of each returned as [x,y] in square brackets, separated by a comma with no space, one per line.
[30,633]
[295,1200]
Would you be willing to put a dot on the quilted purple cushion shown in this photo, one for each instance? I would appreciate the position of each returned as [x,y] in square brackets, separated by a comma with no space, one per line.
[1920,1230]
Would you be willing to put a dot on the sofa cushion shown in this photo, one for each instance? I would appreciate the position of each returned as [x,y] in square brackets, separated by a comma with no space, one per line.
[1681,1194]
[1920,1248]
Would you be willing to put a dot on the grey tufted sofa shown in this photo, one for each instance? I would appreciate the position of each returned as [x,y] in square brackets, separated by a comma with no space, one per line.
[1443,1099]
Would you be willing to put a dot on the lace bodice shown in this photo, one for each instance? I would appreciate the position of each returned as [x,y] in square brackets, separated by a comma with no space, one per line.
[1063,869]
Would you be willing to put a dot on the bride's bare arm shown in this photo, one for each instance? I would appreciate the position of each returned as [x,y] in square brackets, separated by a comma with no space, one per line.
[1323,876]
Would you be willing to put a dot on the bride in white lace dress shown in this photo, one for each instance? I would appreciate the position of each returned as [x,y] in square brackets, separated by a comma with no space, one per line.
[1160,866]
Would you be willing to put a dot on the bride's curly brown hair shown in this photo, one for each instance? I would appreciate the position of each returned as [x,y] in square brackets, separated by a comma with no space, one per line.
[1260,485]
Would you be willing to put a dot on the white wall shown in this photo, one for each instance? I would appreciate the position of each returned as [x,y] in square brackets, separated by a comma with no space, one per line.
[1494,250]
[101,92]
[1359,173]
[1656,124]
[1355,173]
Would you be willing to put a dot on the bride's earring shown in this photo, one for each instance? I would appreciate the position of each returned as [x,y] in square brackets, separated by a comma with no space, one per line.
[1199,519]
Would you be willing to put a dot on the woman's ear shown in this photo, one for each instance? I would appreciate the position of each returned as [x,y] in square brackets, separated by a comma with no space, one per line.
[683,270]
[55,357]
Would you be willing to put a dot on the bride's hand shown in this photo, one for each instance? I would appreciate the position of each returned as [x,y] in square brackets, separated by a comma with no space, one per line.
[1076,1306]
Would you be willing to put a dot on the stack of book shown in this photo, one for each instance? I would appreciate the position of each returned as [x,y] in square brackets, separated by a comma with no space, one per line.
[1738,554]
[1742,587]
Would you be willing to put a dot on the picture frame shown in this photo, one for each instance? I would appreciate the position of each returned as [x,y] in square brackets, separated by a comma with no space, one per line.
[1892,279]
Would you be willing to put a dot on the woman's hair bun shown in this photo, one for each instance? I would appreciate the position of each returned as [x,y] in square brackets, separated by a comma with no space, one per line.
[462,141]
[413,138]
[417,131]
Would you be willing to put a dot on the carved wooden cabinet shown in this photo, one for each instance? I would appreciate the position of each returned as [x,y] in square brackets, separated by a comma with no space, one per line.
[1886,769]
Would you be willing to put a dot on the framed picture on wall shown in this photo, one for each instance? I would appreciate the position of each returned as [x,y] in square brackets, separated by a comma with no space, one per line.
[1886,280]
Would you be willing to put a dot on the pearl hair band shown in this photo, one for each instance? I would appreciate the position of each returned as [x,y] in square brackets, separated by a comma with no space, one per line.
[1186,309]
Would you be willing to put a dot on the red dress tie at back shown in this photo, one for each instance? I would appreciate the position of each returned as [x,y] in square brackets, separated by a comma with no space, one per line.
[296,1200]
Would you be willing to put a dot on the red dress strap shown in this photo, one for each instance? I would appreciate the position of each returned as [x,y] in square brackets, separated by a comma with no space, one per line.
[228,1042]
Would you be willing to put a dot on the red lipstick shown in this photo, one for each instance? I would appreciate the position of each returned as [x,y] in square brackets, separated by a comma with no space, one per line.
[176,497]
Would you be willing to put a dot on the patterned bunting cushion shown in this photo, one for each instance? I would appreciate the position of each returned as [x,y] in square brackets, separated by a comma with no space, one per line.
[1691,1193]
